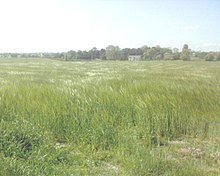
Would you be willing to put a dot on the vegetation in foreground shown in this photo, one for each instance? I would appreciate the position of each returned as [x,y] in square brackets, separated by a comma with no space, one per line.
[109,118]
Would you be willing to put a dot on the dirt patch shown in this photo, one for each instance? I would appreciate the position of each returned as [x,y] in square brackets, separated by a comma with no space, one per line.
[191,151]
[59,145]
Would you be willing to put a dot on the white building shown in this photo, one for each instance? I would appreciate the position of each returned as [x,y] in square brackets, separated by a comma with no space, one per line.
[134,57]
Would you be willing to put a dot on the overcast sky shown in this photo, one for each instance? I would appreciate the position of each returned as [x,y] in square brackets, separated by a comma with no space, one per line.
[62,25]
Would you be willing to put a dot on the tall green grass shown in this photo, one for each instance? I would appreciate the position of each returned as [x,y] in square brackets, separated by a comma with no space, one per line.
[103,112]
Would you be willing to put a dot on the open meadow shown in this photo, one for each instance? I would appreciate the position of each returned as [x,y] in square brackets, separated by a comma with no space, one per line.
[109,118]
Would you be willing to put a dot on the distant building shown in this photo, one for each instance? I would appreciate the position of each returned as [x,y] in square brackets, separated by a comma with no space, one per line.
[134,57]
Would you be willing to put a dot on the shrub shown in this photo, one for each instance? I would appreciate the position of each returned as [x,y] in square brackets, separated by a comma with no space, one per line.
[209,57]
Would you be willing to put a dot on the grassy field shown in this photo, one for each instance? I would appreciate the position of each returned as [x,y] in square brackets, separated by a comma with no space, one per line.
[109,118]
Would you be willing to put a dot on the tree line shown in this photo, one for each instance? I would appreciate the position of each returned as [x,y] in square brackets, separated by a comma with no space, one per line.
[112,52]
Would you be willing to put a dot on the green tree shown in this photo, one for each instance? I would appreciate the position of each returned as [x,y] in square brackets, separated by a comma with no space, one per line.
[102,54]
[176,54]
[94,53]
[210,57]
[185,55]
[154,53]
[218,56]
[201,55]
[167,56]
[70,55]
[124,53]
[149,53]
[112,52]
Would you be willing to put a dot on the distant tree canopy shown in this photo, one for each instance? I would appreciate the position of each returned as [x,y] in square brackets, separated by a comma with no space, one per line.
[185,55]
[210,57]
[157,53]
[218,56]
[112,52]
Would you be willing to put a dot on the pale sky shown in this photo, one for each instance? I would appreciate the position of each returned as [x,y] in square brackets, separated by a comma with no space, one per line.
[63,25]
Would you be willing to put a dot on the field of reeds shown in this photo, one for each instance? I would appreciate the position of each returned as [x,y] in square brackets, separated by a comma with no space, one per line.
[109,118]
